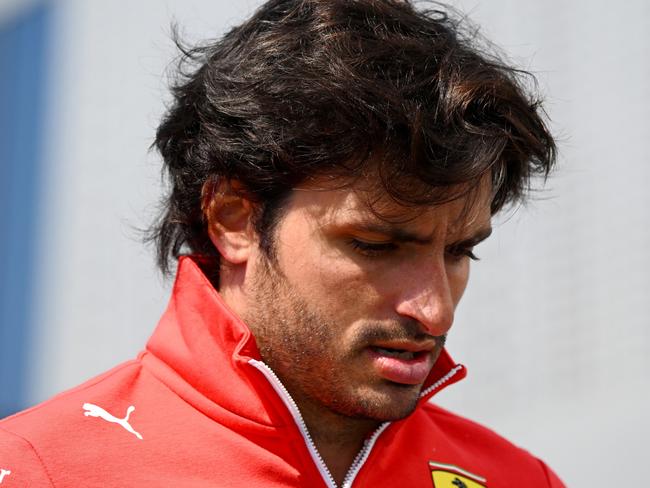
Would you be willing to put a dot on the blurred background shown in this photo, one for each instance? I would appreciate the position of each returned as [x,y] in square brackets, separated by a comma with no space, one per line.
[555,325]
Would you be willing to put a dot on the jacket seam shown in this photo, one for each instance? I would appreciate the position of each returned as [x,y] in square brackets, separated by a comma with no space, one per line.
[33,449]
[547,475]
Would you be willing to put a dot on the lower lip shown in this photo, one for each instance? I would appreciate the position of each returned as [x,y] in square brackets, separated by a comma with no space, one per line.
[405,371]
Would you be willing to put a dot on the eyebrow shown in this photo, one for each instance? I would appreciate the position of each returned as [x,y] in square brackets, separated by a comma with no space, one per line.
[476,239]
[400,235]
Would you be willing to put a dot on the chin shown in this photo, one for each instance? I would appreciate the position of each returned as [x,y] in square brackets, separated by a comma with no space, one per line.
[390,402]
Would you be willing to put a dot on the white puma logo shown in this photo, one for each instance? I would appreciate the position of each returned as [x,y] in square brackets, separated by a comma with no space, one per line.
[3,473]
[95,411]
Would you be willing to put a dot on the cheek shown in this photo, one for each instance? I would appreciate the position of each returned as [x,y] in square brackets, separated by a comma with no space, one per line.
[329,281]
[458,276]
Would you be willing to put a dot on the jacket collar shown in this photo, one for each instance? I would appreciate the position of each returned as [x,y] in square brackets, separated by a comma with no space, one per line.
[201,349]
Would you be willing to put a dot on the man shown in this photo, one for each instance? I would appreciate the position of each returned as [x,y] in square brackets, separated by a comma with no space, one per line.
[333,163]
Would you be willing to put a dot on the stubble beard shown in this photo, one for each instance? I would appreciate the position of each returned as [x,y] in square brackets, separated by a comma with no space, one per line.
[301,346]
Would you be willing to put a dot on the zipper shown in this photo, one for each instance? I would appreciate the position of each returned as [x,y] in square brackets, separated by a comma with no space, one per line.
[368,445]
[441,381]
[362,457]
[290,403]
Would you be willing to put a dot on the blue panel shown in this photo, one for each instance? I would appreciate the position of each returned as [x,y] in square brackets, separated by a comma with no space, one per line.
[23,41]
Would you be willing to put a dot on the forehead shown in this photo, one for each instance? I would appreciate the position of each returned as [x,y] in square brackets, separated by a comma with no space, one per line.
[364,201]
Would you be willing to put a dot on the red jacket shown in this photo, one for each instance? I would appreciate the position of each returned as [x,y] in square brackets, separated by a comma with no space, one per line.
[198,408]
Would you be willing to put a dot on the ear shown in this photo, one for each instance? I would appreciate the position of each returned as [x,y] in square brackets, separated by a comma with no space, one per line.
[230,219]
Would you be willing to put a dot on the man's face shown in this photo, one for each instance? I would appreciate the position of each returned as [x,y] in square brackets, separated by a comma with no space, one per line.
[353,311]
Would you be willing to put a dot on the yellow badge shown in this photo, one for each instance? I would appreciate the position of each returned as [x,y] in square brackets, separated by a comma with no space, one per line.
[450,476]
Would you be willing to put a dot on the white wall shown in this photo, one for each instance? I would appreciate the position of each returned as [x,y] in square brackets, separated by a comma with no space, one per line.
[554,326]
[100,294]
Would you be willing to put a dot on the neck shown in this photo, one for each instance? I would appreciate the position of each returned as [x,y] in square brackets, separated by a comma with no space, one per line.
[338,438]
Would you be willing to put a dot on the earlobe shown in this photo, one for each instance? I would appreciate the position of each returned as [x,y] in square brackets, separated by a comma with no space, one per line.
[229,218]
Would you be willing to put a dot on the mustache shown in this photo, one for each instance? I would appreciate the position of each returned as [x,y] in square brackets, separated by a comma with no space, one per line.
[404,331]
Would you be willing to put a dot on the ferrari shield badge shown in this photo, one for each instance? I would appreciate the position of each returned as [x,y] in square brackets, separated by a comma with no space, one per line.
[450,476]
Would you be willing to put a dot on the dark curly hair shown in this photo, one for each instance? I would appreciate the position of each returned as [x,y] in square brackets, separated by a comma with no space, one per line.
[309,88]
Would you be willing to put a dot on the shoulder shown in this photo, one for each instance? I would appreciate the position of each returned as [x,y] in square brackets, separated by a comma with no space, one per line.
[41,439]
[488,449]
[468,431]
[455,424]
[51,414]
[20,464]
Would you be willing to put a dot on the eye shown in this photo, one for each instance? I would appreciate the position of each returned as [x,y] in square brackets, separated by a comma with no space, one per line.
[459,252]
[372,249]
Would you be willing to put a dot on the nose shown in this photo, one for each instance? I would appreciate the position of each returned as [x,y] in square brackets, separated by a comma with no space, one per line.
[427,297]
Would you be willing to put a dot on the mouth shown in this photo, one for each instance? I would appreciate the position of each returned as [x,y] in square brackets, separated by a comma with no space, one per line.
[397,353]
[403,363]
